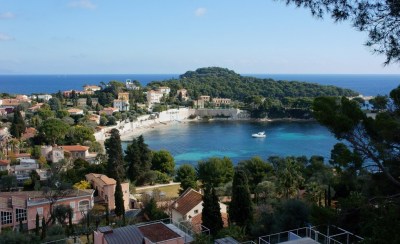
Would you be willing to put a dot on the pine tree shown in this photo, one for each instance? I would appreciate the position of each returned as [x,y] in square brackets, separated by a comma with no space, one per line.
[145,154]
[89,101]
[43,228]
[115,163]
[240,208]
[119,200]
[37,227]
[132,157]
[211,214]
[18,124]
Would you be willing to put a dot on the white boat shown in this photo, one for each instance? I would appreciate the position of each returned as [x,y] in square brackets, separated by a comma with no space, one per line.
[259,134]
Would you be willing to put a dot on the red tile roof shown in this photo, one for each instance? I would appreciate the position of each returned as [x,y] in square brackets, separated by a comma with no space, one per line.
[4,162]
[187,201]
[158,232]
[75,148]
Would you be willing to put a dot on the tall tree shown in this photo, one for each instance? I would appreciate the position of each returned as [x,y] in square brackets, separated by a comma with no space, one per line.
[145,153]
[44,228]
[240,208]
[211,214]
[163,161]
[132,158]
[55,104]
[54,130]
[18,124]
[186,175]
[115,163]
[215,171]
[37,227]
[119,200]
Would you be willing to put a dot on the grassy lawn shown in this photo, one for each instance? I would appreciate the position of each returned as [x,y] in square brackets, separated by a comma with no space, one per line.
[171,191]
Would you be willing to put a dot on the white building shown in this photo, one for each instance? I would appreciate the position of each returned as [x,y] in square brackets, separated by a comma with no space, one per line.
[45,97]
[154,97]
[164,89]
[121,105]
[130,85]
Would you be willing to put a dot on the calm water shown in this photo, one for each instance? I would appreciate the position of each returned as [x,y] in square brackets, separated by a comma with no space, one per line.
[194,141]
[369,85]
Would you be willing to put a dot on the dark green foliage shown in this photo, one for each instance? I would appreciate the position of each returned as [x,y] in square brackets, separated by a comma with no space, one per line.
[61,213]
[379,102]
[256,170]
[240,208]
[219,82]
[163,161]
[292,214]
[89,101]
[138,158]
[44,229]
[153,212]
[53,130]
[115,163]
[37,227]
[55,104]
[79,134]
[215,171]
[186,175]
[18,124]
[119,200]
[211,214]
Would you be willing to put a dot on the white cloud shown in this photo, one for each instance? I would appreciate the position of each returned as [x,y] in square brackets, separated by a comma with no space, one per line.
[200,12]
[86,4]
[5,37]
[7,15]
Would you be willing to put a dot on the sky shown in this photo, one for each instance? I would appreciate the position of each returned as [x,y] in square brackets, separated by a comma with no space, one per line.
[172,37]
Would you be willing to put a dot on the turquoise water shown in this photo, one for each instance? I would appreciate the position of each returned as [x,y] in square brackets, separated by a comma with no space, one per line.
[193,141]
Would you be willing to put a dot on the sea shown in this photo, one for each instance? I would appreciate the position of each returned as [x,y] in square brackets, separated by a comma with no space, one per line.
[190,142]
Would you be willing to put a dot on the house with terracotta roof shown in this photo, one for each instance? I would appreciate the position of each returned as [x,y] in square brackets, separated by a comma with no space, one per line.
[53,154]
[23,206]
[105,189]
[91,88]
[108,111]
[35,107]
[188,205]
[123,96]
[77,151]
[156,232]
[121,105]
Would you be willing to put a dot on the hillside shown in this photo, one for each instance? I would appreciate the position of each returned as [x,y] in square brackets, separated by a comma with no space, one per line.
[221,82]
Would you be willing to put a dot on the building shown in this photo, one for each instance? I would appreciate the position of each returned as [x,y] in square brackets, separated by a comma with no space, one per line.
[23,206]
[24,170]
[105,189]
[44,97]
[35,107]
[188,205]
[164,90]
[123,96]
[198,103]
[121,105]
[53,154]
[183,93]
[81,101]
[205,98]
[95,118]
[221,101]
[154,97]
[108,111]
[75,111]
[157,232]
[91,88]
[77,151]
[131,85]
[5,165]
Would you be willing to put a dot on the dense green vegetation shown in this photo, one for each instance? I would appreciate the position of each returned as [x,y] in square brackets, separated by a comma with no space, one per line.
[220,82]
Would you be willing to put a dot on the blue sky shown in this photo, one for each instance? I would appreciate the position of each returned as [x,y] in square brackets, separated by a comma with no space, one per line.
[159,36]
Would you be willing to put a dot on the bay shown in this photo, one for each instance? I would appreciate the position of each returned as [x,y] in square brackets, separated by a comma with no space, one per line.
[190,142]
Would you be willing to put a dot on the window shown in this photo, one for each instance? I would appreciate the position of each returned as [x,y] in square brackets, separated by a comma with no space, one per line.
[6,217]
[84,205]
[40,210]
[20,214]
[196,211]
[72,205]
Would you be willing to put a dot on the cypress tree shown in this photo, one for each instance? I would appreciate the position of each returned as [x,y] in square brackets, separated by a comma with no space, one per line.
[240,208]
[107,215]
[37,225]
[43,228]
[70,226]
[115,163]
[21,226]
[18,124]
[119,200]
[211,214]
[132,157]
[145,154]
